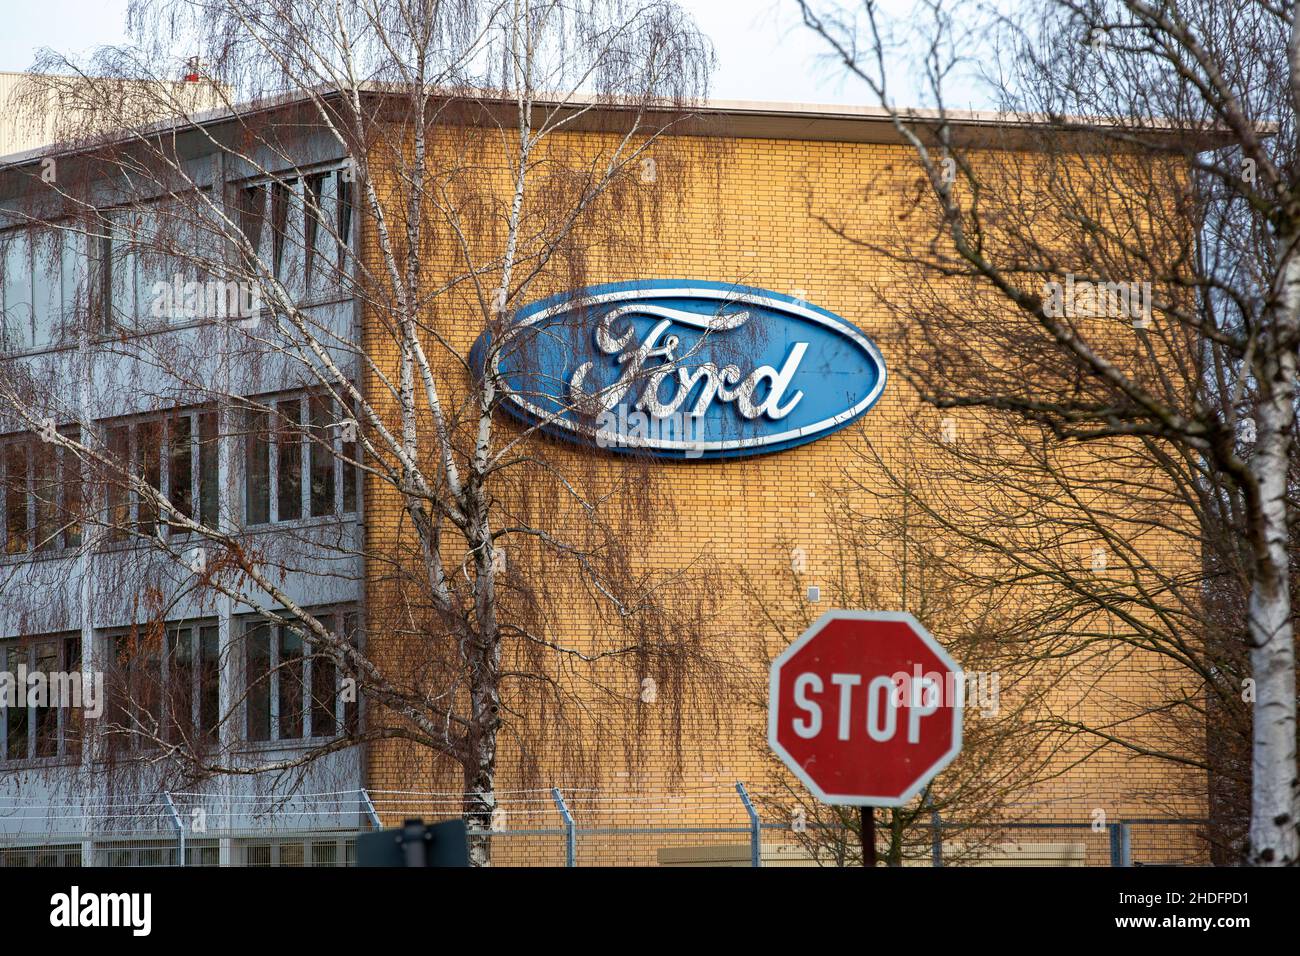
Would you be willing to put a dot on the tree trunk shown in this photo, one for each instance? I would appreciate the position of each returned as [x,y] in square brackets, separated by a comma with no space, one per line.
[481,802]
[485,689]
[1273,835]
[895,857]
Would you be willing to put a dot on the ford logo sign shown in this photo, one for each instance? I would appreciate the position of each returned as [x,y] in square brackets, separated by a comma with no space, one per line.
[682,369]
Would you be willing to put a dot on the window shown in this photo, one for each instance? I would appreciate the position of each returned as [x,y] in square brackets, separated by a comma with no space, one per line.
[291,664]
[191,677]
[40,484]
[257,467]
[282,199]
[343,232]
[113,273]
[148,469]
[292,688]
[119,495]
[192,465]
[44,275]
[134,679]
[207,468]
[293,461]
[301,228]
[288,450]
[142,255]
[44,723]
[181,451]
[314,217]
[324,850]
[259,680]
[175,454]
[64,855]
[164,684]
[157,853]
[327,231]
[321,454]
[154,853]
[207,853]
[17,491]
[251,203]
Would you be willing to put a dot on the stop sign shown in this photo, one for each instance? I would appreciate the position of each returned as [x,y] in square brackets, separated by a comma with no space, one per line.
[865,708]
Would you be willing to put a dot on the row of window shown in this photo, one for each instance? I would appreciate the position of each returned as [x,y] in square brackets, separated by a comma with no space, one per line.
[63,855]
[121,272]
[44,280]
[167,685]
[301,228]
[292,693]
[295,466]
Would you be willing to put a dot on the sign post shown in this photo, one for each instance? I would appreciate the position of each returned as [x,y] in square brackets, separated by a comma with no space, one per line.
[867,831]
[865,708]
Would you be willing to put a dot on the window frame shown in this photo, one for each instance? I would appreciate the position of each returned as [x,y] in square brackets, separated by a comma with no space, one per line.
[65,662]
[322,271]
[347,714]
[199,480]
[62,320]
[61,515]
[166,724]
[264,422]
[195,630]
[116,242]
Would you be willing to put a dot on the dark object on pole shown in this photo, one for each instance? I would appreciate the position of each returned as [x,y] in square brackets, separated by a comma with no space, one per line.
[414,844]
[867,819]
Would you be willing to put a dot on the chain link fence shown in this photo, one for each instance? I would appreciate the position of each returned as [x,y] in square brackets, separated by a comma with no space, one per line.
[549,827]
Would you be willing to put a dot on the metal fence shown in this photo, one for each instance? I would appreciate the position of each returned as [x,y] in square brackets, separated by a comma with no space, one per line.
[548,827]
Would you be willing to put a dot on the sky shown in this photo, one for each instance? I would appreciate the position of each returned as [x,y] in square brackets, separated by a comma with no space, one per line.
[764,52]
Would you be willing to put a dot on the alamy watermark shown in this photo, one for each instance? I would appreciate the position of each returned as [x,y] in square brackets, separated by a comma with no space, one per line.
[621,428]
[182,299]
[73,909]
[1084,299]
[931,690]
[73,690]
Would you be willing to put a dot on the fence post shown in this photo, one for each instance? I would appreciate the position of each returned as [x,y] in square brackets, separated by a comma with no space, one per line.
[936,839]
[180,828]
[1120,848]
[755,827]
[369,806]
[570,834]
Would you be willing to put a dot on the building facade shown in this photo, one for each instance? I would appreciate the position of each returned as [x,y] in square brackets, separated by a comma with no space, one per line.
[226,419]
[105,585]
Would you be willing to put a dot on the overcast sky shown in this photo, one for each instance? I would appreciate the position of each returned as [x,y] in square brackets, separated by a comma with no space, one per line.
[763,51]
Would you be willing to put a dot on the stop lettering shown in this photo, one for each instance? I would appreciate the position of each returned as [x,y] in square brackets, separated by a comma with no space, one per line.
[865,707]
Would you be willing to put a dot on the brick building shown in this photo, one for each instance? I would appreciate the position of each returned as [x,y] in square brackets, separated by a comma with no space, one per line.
[756,544]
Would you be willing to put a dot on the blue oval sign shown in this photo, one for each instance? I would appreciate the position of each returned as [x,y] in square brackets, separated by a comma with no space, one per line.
[684,369]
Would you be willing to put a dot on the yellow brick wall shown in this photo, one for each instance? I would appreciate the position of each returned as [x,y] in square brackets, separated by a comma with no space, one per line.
[749,215]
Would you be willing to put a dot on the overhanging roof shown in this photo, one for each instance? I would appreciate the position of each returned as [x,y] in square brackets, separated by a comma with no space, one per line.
[741,119]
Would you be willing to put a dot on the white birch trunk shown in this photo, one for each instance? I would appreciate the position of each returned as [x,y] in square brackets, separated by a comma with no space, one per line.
[1273,834]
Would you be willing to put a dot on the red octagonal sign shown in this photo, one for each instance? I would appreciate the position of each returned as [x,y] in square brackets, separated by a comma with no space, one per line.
[865,707]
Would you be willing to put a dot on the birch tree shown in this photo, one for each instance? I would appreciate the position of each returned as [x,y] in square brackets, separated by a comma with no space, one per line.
[458,199]
[1164,153]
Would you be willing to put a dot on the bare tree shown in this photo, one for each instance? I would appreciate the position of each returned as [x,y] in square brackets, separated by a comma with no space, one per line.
[886,551]
[1164,155]
[460,194]
[1096,556]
